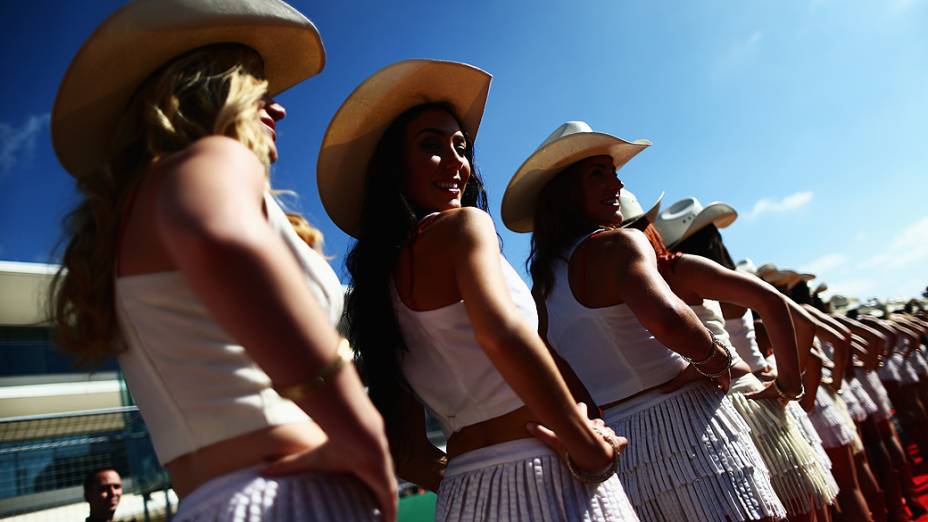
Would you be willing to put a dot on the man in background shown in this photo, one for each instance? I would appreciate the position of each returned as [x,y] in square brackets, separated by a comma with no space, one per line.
[102,490]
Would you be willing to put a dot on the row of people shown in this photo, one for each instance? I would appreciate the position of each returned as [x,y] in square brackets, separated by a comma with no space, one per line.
[222,309]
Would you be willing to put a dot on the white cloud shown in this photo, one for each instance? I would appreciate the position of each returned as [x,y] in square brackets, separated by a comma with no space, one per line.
[17,144]
[902,6]
[909,247]
[823,263]
[769,205]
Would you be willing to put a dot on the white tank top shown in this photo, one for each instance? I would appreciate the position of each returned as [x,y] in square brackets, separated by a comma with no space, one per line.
[194,384]
[710,314]
[744,339]
[446,367]
[611,352]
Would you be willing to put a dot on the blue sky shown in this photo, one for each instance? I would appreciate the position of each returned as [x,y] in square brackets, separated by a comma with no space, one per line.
[809,116]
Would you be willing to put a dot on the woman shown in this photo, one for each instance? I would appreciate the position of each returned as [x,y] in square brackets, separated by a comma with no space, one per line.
[171,149]
[441,320]
[799,466]
[612,317]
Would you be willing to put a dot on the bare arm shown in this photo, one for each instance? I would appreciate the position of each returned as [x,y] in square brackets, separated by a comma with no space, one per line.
[829,330]
[210,217]
[420,461]
[711,280]
[515,349]
[650,298]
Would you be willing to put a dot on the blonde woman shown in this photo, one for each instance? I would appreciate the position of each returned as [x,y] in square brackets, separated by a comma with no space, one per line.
[182,263]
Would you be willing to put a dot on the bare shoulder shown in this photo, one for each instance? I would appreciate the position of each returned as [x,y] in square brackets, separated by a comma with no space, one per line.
[622,244]
[214,155]
[464,224]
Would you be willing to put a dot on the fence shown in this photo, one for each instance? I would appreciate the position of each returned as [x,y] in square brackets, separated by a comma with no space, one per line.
[44,459]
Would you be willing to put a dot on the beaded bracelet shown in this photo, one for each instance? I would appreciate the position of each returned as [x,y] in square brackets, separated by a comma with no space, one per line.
[597,477]
[297,392]
[729,361]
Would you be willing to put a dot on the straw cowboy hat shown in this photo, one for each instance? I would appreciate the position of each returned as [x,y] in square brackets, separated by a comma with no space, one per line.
[568,144]
[632,211]
[687,216]
[144,35]
[360,122]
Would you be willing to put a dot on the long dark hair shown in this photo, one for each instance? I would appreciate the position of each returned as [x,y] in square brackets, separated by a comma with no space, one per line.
[558,223]
[707,242]
[388,221]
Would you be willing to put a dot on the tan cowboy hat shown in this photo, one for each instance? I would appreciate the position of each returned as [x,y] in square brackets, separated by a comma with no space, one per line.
[687,216]
[631,209]
[782,278]
[360,122]
[822,287]
[568,144]
[144,35]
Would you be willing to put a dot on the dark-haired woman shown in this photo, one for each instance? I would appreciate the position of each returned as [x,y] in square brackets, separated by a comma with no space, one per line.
[612,317]
[442,320]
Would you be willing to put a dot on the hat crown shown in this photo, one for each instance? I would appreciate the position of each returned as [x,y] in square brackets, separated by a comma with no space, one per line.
[684,210]
[564,130]
[746,265]
[629,204]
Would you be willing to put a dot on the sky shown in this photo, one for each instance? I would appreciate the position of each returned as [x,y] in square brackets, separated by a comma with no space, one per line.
[808,116]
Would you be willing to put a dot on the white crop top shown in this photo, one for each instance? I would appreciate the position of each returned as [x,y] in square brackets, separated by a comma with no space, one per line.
[612,353]
[446,367]
[744,339]
[194,384]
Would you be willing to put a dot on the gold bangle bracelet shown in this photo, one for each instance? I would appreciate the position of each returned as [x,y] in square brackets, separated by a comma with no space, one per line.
[298,392]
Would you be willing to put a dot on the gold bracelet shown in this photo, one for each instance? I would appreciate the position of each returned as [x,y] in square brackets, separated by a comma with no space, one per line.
[298,392]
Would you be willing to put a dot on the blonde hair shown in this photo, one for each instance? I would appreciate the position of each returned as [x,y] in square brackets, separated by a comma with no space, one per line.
[213,90]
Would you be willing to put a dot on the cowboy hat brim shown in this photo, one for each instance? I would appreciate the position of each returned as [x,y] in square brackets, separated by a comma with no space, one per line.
[649,215]
[144,35]
[518,208]
[359,124]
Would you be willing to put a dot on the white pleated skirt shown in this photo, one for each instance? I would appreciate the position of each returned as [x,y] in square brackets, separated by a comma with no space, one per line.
[832,421]
[854,408]
[889,371]
[797,476]
[919,363]
[246,496]
[690,457]
[877,392]
[907,372]
[866,402]
[524,481]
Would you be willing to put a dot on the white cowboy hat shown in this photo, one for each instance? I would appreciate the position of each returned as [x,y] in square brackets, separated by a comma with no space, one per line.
[568,144]
[360,122]
[746,265]
[687,216]
[631,208]
[144,35]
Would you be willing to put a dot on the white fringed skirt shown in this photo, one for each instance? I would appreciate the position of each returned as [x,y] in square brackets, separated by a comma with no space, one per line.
[524,481]
[877,392]
[833,422]
[246,496]
[804,425]
[690,457]
[800,480]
